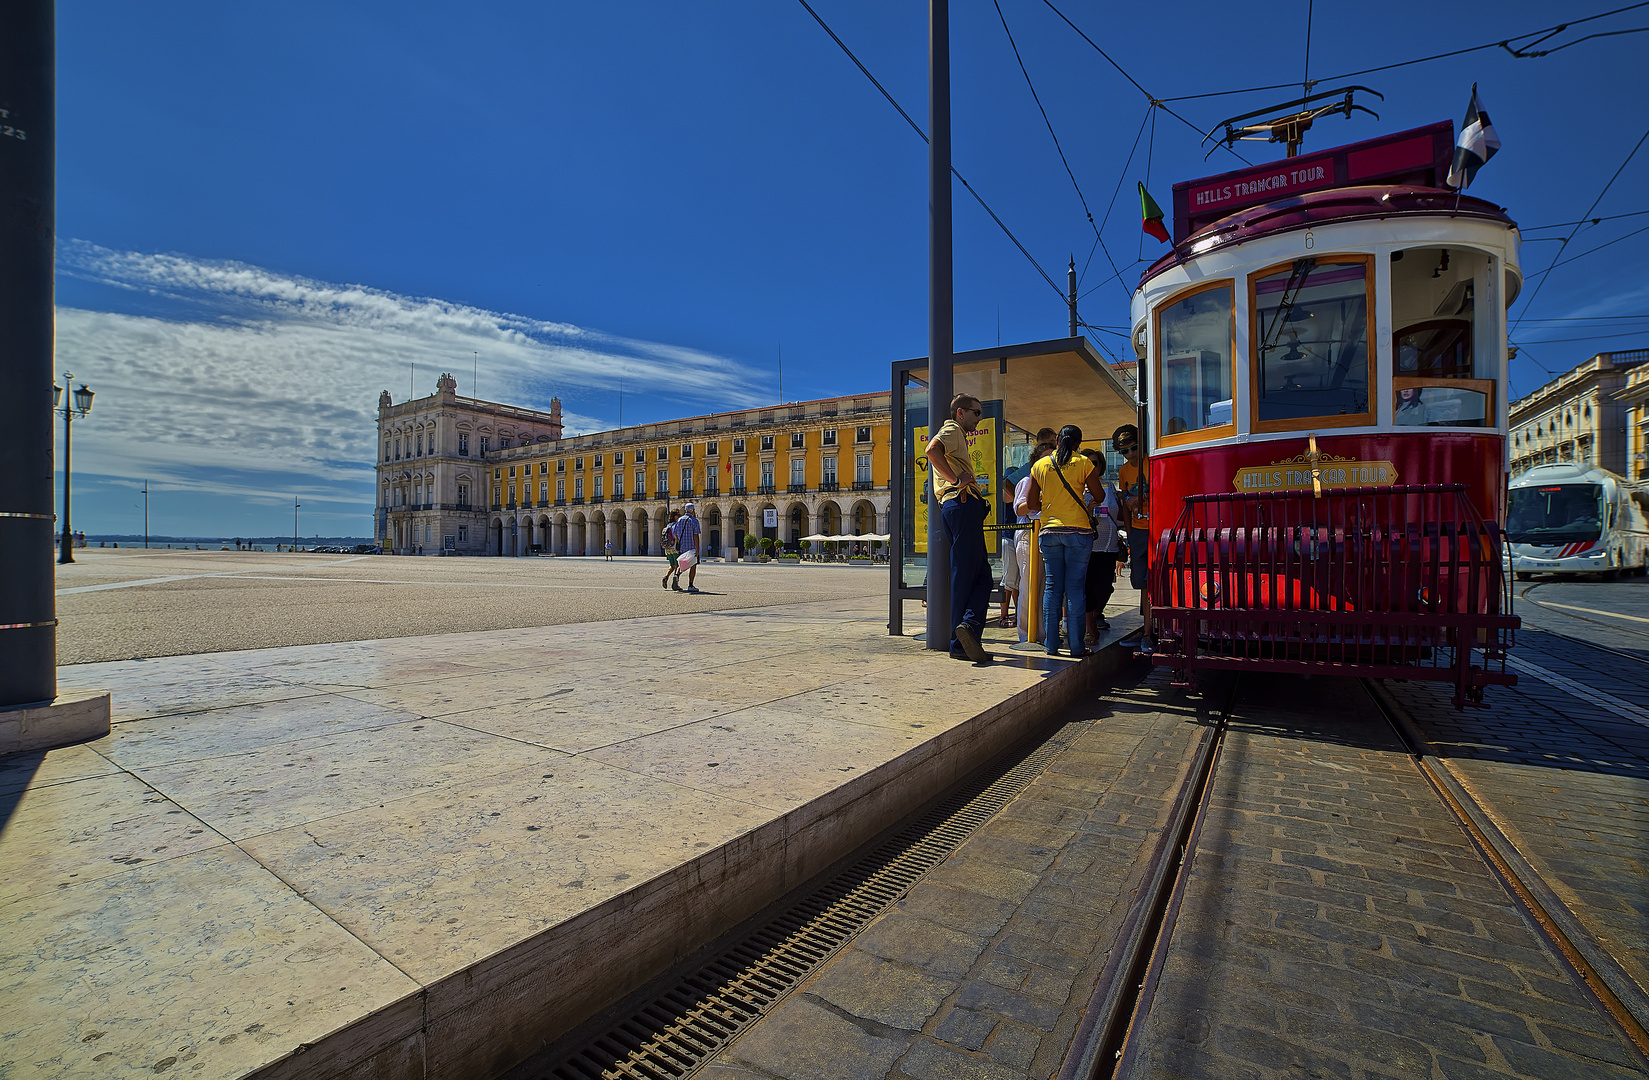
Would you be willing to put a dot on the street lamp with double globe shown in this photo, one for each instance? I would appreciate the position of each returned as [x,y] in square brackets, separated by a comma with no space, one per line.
[77,404]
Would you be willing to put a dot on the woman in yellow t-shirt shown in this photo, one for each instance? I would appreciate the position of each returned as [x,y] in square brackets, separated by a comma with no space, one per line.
[1062,485]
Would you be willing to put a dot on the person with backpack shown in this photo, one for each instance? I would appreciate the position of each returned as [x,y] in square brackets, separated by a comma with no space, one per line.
[672,550]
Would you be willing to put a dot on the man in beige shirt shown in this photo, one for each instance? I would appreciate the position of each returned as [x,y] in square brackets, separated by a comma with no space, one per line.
[962,508]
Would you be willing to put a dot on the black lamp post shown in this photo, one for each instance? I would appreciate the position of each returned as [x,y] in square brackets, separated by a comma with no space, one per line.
[77,404]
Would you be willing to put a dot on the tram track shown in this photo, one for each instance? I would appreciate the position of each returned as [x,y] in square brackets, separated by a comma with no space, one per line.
[1523,594]
[1113,1041]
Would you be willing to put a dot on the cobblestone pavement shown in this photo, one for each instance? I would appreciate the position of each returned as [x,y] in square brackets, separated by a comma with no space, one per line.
[984,969]
[1338,923]
[1565,780]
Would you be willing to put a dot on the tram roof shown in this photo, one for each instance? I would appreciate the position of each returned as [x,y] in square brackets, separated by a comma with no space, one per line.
[1401,173]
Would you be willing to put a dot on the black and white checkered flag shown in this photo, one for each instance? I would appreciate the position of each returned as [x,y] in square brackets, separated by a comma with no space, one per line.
[1475,146]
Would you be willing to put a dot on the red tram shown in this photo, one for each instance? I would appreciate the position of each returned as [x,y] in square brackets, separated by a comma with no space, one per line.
[1324,373]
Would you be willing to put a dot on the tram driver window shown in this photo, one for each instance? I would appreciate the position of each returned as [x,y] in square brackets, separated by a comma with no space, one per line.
[1438,377]
[1310,326]
[1194,350]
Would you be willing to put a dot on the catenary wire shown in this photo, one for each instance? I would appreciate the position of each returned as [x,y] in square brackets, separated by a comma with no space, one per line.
[1545,275]
[1501,43]
[1055,137]
[1585,318]
[1584,221]
[1155,101]
[1588,251]
[918,129]
[1593,337]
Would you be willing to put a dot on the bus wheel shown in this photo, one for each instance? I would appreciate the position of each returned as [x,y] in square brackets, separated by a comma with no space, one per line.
[1522,575]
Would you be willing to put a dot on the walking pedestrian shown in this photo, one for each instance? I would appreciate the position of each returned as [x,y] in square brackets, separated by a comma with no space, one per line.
[687,539]
[671,549]
[609,551]
[962,509]
[1066,536]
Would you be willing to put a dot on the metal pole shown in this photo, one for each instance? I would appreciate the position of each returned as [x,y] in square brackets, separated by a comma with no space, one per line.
[145,515]
[65,553]
[1070,281]
[28,224]
[295,505]
[941,316]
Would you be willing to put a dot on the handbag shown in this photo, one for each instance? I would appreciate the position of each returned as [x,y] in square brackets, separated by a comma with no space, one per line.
[1092,524]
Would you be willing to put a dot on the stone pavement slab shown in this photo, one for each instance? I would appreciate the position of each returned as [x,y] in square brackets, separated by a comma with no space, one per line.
[420,856]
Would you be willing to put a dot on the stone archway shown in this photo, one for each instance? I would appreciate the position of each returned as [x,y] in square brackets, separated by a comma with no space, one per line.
[797,523]
[830,518]
[527,534]
[740,525]
[559,533]
[576,534]
[864,517]
[495,539]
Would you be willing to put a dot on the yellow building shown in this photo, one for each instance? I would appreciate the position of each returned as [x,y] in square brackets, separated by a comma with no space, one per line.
[1579,417]
[1635,396]
[808,467]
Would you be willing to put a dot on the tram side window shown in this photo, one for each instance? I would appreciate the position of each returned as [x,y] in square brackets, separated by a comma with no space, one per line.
[1435,340]
[1310,325]
[1194,350]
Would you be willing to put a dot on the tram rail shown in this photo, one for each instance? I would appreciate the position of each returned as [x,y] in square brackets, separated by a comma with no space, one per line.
[1107,1044]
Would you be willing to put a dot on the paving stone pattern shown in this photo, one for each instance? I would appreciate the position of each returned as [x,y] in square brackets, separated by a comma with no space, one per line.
[985,968]
[1565,781]
[1338,923]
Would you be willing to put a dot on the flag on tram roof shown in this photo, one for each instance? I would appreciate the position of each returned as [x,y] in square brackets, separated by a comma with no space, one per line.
[1475,146]
[1151,215]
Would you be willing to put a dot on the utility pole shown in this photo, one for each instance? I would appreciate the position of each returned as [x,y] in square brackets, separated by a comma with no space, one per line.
[1070,282]
[295,505]
[145,515]
[941,309]
[28,224]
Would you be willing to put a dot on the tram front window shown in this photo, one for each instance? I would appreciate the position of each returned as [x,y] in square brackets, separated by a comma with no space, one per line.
[1561,514]
[1311,329]
[1194,349]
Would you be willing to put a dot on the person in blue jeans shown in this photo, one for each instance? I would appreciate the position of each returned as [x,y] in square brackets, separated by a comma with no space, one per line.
[1067,536]
[963,510]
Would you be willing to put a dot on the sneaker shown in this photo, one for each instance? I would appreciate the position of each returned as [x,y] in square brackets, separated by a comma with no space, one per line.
[676,585]
[969,641]
[692,588]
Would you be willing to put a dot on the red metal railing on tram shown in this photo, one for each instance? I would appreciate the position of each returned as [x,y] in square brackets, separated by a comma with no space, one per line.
[1403,582]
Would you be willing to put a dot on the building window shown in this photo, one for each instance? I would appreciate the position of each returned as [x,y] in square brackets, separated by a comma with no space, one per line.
[597,463]
[386,449]
[543,467]
[797,440]
[829,436]
[543,491]
[420,445]
[463,534]
[710,449]
[738,446]
[618,458]
[861,473]
[738,475]
[663,453]
[767,442]
[560,491]
[497,495]
[862,435]
[598,479]
[561,465]
[578,487]
[686,451]
[512,471]
[486,444]
[767,474]
[397,449]
[504,442]
[463,494]
[578,464]
[641,482]
[798,470]
[830,468]
[687,480]
[663,481]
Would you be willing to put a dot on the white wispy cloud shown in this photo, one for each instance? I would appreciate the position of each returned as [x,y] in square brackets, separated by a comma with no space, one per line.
[243,382]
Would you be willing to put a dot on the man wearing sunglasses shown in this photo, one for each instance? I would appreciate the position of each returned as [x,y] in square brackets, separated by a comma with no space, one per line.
[962,508]
[1133,489]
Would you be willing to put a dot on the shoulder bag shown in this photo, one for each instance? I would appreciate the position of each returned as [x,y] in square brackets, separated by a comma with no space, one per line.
[1074,496]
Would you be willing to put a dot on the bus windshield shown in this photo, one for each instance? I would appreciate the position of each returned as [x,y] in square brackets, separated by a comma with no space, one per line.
[1561,513]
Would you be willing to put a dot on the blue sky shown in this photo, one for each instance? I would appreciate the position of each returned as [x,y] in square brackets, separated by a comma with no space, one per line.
[270,213]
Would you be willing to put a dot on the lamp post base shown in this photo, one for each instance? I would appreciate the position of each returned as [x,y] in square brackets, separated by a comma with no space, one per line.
[41,725]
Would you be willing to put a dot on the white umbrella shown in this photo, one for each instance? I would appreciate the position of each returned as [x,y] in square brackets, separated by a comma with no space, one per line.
[818,536]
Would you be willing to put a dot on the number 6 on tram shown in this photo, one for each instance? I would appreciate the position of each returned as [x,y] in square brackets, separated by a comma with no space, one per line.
[1324,373]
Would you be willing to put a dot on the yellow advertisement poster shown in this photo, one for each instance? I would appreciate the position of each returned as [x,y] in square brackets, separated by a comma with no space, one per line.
[983,449]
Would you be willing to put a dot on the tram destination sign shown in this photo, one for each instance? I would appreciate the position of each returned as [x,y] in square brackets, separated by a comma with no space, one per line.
[1294,474]
[1419,157]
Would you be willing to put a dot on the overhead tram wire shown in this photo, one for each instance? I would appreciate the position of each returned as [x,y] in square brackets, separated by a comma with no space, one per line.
[1582,221]
[914,126]
[1589,251]
[1545,275]
[1150,111]
[1155,101]
[1503,43]
[1055,137]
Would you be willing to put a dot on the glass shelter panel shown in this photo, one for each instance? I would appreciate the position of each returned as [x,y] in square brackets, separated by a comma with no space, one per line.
[1310,324]
[1194,348]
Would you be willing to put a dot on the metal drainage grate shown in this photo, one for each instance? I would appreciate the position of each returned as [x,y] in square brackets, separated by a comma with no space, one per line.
[681,1029]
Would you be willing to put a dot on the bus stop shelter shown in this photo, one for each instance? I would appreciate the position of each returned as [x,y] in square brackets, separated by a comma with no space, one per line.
[1022,389]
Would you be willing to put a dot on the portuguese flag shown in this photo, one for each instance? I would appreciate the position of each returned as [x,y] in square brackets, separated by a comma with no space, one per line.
[1151,215]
